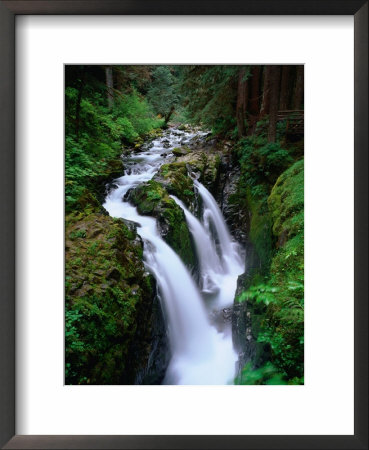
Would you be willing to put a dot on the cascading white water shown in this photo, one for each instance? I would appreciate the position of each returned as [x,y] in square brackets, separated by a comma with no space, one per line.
[210,263]
[200,354]
[230,250]
[218,275]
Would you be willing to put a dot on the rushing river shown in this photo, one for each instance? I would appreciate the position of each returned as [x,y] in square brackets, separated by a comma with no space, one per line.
[201,353]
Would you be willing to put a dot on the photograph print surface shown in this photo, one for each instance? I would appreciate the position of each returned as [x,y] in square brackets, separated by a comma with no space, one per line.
[184,224]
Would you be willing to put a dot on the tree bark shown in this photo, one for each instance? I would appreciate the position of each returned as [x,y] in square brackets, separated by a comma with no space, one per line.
[242,96]
[284,96]
[299,88]
[274,102]
[169,115]
[264,109]
[109,86]
[79,99]
[254,101]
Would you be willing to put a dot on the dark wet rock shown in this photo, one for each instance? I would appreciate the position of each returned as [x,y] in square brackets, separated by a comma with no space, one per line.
[227,314]
[131,225]
[246,322]
[113,274]
[236,217]
[221,318]
[153,372]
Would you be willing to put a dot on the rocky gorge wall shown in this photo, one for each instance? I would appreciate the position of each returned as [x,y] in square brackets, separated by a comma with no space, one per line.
[267,324]
[114,322]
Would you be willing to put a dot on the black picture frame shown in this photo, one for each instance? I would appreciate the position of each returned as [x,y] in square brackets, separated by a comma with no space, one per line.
[8,12]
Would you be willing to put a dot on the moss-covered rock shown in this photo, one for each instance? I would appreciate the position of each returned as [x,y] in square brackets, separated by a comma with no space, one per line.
[175,179]
[286,203]
[109,299]
[205,163]
[277,297]
[180,151]
[284,328]
[152,199]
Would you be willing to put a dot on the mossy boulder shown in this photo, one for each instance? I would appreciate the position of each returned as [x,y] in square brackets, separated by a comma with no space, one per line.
[286,323]
[286,203]
[205,164]
[175,179]
[175,176]
[180,151]
[108,301]
[91,196]
[152,199]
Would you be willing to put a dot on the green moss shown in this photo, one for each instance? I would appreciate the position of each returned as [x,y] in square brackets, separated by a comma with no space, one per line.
[152,199]
[175,178]
[280,295]
[260,231]
[286,201]
[205,163]
[106,286]
[180,151]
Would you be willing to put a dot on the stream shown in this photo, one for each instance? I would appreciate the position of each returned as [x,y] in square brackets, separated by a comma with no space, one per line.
[201,351]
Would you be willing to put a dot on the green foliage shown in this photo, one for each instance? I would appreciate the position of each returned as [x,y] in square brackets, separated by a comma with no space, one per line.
[210,95]
[267,374]
[77,234]
[162,93]
[281,293]
[261,162]
[134,116]
[94,139]
[261,293]
[260,165]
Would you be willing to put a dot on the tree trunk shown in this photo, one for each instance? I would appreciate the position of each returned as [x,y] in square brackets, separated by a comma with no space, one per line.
[264,109]
[299,88]
[242,94]
[274,102]
[109,86]
[169,115]
[79,99]
[284,96]
[254,101]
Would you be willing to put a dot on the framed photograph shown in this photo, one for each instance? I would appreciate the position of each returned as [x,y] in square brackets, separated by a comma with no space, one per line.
[184,224]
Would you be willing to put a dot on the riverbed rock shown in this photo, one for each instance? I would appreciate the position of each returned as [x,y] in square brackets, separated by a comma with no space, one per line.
[176,181]
[204,165]
[180,151]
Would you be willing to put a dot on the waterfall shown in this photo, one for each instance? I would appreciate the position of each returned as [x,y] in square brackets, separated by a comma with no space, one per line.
[230,251]
[218,276]
[200,354]
[210,263]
